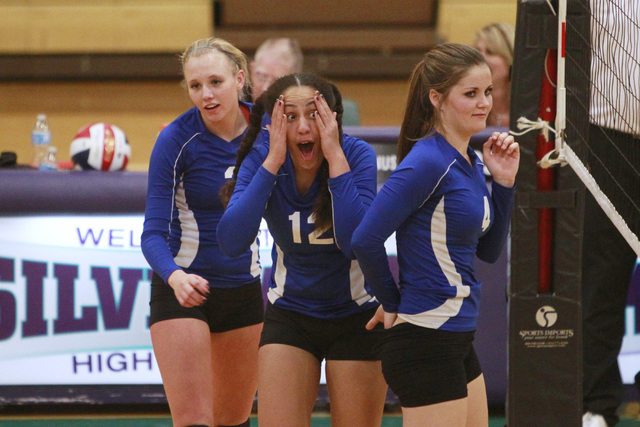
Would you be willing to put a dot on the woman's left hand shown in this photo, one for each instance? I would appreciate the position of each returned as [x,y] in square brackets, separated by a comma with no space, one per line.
[501,156]
[330,137]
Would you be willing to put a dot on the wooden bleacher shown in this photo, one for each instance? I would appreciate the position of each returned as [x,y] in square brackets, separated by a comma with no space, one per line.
[363,39]
[116,60]
[133,39]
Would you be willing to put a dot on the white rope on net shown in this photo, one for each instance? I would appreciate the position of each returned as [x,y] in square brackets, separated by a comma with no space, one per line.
[553,157]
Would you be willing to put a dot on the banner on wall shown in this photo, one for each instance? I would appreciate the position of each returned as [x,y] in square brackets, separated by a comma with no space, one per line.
[74,301]
[629,358]
[74,294]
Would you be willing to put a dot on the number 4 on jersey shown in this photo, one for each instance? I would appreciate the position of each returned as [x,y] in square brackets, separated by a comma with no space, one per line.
[486,218]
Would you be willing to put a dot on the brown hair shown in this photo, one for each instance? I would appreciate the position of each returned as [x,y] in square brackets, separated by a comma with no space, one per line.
[322,208]
[440,69]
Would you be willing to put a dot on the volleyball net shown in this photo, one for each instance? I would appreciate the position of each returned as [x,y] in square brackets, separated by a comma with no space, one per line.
[606,158]
[613,151]
[575,106]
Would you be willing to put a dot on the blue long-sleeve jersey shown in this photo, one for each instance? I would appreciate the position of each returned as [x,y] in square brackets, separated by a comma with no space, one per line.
[313,273]
[188,167]
[443,215]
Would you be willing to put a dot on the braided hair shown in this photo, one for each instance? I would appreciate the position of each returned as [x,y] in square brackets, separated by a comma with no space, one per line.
[322,208]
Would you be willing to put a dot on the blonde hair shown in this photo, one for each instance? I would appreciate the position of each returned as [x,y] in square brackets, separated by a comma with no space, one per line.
[237,58]
[499,37]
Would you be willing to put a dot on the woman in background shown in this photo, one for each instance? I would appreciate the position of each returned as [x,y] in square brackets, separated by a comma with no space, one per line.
[312,184]
[438,204]
[495,41]
[206,308]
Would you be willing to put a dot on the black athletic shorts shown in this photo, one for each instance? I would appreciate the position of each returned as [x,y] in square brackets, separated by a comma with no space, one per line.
[224,310]
[331,339]
[425,366]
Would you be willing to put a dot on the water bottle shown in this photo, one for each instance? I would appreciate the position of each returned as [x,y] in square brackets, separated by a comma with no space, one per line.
[50,163]
[40,139]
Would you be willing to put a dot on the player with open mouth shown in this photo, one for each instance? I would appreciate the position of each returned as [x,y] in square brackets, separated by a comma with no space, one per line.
[313,185]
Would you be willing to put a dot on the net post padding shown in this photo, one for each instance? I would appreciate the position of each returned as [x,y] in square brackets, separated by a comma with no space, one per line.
[545,334]
[546,176]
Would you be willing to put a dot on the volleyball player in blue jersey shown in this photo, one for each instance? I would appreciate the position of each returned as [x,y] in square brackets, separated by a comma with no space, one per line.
[313,185]
[206,308]
[438,204]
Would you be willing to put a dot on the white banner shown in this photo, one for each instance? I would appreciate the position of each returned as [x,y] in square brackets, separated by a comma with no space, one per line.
[74,301]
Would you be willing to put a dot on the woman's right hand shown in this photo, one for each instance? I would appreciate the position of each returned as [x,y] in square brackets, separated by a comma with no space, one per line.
[501,156]
[387,319]
[190,289]
[277,138]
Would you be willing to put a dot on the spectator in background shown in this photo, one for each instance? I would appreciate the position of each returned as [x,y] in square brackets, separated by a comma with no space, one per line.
[278,57]
[495,41]
[274,58]
[206,308]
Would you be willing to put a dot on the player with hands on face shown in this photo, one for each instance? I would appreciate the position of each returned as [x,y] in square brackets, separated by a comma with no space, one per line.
[312,184]
[327,129]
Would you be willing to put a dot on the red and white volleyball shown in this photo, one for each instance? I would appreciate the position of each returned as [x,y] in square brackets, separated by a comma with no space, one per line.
[100,146]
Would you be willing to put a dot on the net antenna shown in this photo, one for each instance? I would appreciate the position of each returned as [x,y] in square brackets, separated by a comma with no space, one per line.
[557,155]
[562,154]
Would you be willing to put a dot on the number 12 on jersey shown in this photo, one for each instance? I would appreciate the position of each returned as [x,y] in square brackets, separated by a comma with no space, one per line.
[314,236]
